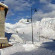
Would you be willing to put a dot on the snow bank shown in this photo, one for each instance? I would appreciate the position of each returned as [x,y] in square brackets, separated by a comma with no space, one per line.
[29,47]
[12,50]
[17,48]
[44,28]
[15,39]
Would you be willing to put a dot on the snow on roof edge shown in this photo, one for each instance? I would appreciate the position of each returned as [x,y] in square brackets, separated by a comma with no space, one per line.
[3,5]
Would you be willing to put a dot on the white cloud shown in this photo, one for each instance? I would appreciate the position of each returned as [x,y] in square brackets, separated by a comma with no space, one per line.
[40,14]
[45,1]
[52,6]
[18,5]
[21,5]
[48,10]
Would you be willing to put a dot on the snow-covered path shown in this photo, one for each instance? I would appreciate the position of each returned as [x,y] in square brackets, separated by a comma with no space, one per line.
[47,48]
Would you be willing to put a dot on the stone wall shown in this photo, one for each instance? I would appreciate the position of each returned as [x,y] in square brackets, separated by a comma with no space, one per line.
[2,22]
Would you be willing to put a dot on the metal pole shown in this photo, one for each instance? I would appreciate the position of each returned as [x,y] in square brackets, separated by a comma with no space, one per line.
[39,31]
[32,26]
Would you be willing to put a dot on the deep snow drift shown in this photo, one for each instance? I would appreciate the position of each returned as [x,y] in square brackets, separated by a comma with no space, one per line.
[22,30]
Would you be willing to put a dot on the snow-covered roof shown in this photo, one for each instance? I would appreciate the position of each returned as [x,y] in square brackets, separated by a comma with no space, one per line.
[2,4]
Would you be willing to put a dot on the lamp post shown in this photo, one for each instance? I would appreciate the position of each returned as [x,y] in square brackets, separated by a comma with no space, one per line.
[32,23]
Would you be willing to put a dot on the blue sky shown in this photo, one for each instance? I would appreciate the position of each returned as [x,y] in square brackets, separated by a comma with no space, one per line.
[19,9]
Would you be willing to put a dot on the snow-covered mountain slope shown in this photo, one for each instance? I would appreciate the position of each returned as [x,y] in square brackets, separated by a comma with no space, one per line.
[44,29]
[11,28]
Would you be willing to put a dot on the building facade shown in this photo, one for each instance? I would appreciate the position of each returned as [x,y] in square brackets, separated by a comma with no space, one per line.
[3,12]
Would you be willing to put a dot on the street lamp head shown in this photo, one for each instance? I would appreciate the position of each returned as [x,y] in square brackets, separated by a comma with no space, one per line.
[35,10]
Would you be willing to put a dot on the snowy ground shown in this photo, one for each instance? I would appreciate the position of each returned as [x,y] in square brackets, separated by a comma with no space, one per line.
[29,49]
[46,48]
